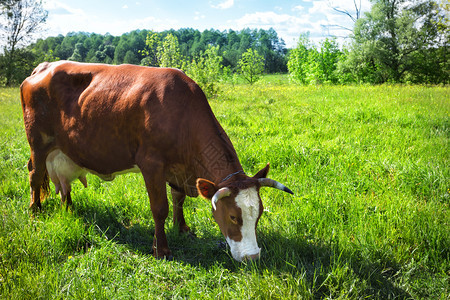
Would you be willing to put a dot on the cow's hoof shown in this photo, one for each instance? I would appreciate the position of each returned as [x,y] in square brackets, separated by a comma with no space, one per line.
[169,258]
[186,230]
[165,257]
[163,254]
[35,207]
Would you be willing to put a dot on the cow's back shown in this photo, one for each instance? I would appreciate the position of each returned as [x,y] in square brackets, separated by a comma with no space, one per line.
[101,115]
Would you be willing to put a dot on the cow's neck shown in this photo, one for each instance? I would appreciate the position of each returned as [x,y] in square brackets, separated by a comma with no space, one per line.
[217,159]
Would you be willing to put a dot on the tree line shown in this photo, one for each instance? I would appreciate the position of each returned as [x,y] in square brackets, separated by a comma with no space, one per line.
[140,47]
[397,41]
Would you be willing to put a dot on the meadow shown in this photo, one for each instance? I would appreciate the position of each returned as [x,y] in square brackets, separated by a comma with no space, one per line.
[369,218]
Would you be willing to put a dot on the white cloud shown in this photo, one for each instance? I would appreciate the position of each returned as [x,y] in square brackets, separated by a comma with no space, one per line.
[152,23]
[316,18]
[58,8]
[63,19]
[125,6]
[298,8]
[224,5]
[287,26]
[199,16]
[326,7]
[333,23]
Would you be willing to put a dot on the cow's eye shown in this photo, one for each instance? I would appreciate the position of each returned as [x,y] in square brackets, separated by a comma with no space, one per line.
[233,219]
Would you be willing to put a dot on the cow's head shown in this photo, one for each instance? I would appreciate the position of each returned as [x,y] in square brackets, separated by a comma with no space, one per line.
[237,208]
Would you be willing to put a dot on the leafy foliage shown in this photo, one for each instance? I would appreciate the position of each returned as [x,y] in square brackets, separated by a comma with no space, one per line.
[400,41]
[251,65]
[307,64]
[169,55]
[206,69]
[152,44]
[143,47]
[298,59]
[20,20]
[397,41]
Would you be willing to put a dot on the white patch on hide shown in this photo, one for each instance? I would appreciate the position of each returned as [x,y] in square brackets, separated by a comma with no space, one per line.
[62,171]
[248,201]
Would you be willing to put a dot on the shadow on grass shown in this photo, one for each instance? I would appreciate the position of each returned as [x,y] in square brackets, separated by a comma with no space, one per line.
[325,267]
[328,268]
[205,251]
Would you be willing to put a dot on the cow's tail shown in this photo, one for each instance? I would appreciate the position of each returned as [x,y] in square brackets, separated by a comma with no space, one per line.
[45,187]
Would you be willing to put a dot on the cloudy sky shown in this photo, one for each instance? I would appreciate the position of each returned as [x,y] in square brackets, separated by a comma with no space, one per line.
[289,18]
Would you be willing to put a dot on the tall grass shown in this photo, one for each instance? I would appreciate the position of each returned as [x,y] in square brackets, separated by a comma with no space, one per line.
[369,166]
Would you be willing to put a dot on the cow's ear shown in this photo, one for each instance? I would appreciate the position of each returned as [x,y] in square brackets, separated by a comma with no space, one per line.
[206,188]
[263,172]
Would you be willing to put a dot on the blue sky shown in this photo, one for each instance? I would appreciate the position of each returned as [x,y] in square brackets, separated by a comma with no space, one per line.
[288,18]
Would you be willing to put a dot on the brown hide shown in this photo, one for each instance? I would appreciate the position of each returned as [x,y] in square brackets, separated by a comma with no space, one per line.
[108,119]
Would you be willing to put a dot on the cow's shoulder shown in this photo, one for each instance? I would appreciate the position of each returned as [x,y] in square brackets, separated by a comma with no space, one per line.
[43,74]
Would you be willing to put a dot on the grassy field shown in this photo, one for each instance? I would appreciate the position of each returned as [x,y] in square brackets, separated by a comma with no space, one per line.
[369,166]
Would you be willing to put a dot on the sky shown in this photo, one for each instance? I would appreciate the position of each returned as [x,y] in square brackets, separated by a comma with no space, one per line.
[289,18]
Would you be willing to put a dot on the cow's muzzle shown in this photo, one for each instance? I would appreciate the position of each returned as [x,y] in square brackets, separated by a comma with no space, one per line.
[252,256]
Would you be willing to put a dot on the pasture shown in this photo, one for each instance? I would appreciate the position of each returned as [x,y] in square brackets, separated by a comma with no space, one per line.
[369,167]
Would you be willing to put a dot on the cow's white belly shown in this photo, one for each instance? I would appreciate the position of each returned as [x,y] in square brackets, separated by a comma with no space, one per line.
[62,171]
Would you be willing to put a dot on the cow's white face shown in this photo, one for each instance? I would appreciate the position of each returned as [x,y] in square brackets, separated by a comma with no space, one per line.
[244,245]
[237,207]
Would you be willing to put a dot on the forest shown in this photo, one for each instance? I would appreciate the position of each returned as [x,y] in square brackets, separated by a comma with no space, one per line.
[396,42]
[133,48]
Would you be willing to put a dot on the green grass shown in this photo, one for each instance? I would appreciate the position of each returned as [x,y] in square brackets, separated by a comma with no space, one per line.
[369,166]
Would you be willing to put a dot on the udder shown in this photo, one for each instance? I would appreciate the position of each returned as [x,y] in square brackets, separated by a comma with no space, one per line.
[62,171]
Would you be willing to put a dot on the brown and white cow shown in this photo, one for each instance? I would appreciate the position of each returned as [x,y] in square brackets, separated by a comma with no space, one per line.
[109,120]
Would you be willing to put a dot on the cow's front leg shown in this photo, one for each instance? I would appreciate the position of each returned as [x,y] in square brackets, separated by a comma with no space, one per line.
[178,216]
[156,187]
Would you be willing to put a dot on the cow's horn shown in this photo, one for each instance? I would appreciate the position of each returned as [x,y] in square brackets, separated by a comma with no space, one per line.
[223,192]
[275,184]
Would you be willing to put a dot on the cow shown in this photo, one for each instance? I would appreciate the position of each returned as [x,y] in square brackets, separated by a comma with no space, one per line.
[107,120]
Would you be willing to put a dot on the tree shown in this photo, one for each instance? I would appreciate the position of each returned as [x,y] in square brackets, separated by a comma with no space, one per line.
[251,65]
[206,70]
[397,40]
[329,58]
[121,50]
[308,64]
[354,17]
[298,65]
[272,49]
[79,53]
[130,58]
[169,53]
[152,43]
[20,21]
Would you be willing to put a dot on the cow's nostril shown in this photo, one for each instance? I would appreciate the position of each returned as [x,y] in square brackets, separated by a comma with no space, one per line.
[253,256]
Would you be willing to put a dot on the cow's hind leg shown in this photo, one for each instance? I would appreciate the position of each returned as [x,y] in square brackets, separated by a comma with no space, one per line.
[39,180]
[68,201]
[66,188]
[153,172]
[178,215]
